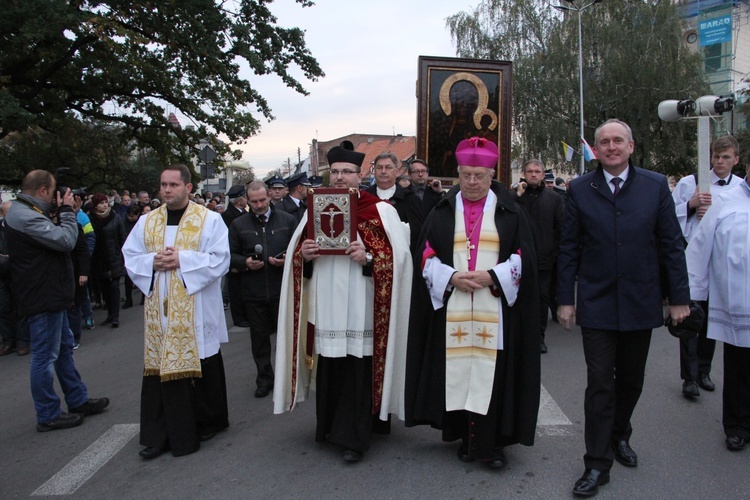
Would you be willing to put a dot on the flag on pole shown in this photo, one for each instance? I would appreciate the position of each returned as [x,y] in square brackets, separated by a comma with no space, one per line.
[568,151]
[588,153]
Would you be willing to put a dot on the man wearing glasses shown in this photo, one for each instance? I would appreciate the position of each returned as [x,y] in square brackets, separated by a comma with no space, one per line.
[473,353]
[343,320]
[407,205]
[429,194]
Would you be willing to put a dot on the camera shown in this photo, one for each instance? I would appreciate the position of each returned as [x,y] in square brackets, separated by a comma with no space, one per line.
[60,174]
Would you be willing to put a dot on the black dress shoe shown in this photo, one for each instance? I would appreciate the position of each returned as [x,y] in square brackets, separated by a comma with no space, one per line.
[128,304]
[205,436]
[91,407]
[106,321]
[705,383]
[352,456]
[262,392]
[463,452]
[624,453]
[64,421]
[588,484]
[499,461]
[736,443]
[690,389]
[150,452]
[543,347]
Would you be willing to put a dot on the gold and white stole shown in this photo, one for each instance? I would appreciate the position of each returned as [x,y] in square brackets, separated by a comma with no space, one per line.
[473,328]
[172,353]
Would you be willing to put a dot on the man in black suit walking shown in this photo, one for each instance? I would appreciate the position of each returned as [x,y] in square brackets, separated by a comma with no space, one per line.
[620,228]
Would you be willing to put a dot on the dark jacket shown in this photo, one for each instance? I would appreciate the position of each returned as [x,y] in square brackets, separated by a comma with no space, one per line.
[4,258]
[81,266]
[230,214]
[615,246]
[430,198]
[41,269]
[288,205]
[547,212]
[409,208]
[245,233]
[110,236]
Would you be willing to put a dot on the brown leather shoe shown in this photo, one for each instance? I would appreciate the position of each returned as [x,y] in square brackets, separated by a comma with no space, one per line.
[23,351]
[5,350]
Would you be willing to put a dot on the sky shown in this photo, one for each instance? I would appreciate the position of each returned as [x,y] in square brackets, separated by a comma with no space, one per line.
[368,50]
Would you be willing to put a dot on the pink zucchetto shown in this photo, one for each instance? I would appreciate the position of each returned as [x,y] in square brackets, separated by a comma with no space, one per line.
[477,152]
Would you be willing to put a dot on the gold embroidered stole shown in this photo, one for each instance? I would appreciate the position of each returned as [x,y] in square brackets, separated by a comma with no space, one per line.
[172,354]
[473,329]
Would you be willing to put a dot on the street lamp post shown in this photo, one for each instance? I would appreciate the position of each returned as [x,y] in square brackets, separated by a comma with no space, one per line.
[576,8]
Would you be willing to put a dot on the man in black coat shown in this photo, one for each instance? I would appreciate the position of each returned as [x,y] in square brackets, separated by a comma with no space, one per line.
[429,192]
[547,211]
[620,229]
[294,202]
[257,242]
[405,202]
[475,376]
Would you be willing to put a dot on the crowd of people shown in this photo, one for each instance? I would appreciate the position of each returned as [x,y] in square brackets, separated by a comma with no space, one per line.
[434,311]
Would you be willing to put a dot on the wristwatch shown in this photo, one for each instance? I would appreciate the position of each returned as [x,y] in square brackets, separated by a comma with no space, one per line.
[368,259]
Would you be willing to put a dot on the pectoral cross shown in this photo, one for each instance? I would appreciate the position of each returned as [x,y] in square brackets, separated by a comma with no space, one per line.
[469,248]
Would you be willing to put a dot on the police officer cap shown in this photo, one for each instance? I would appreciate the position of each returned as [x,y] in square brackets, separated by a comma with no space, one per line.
[275,181]
[236,191]
[298,179]
[690,326]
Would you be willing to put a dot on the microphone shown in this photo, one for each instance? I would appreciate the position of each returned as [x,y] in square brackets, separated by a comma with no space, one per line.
[258,255]
[258,248]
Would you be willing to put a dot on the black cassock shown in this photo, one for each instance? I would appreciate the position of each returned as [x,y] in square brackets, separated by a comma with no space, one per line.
[511,417]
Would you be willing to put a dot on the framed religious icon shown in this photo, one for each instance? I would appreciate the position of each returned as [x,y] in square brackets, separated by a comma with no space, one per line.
[331,218]
[458,99]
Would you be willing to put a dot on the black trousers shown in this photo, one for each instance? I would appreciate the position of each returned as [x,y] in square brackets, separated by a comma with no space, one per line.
[696,354]
[236,305]
[615,363]
[263,318]
[736,392]
[545,282]
[343,398]
[174,414]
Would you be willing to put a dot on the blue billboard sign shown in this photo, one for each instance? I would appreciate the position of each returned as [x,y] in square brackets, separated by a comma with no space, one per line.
[715,30]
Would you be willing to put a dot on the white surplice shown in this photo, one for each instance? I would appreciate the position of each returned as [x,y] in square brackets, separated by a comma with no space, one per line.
[199,271]
[684,191]
[718,260]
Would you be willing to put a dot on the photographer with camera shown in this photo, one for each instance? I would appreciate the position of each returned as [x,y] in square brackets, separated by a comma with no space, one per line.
[42,277]
[107,263]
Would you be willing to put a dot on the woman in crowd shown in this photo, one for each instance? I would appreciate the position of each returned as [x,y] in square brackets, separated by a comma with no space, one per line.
[107,262]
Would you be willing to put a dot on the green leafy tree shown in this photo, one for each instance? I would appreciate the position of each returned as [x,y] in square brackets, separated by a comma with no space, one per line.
[125,61]
[634,58]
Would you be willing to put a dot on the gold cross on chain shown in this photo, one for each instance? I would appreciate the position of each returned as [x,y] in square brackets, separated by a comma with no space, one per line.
[469,248]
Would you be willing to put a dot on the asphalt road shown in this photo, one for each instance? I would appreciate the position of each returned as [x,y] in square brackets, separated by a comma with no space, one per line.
[680,443]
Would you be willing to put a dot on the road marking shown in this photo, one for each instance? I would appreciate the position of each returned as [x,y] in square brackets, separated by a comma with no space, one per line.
[84,466]
[551,420]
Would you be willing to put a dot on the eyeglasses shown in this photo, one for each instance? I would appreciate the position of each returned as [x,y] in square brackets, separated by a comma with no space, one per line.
[420,172]
[335,173]
[477,177]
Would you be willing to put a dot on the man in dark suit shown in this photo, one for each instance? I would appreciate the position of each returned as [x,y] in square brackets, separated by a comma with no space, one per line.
[406,203]
[294,202]
[620,228]
[429,192]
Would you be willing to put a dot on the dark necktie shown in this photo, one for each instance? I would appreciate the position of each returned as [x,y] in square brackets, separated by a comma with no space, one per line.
[262,219]
[616,182]
[722,182]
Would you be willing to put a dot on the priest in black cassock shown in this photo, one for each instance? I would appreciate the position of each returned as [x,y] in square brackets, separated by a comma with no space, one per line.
[473,364]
